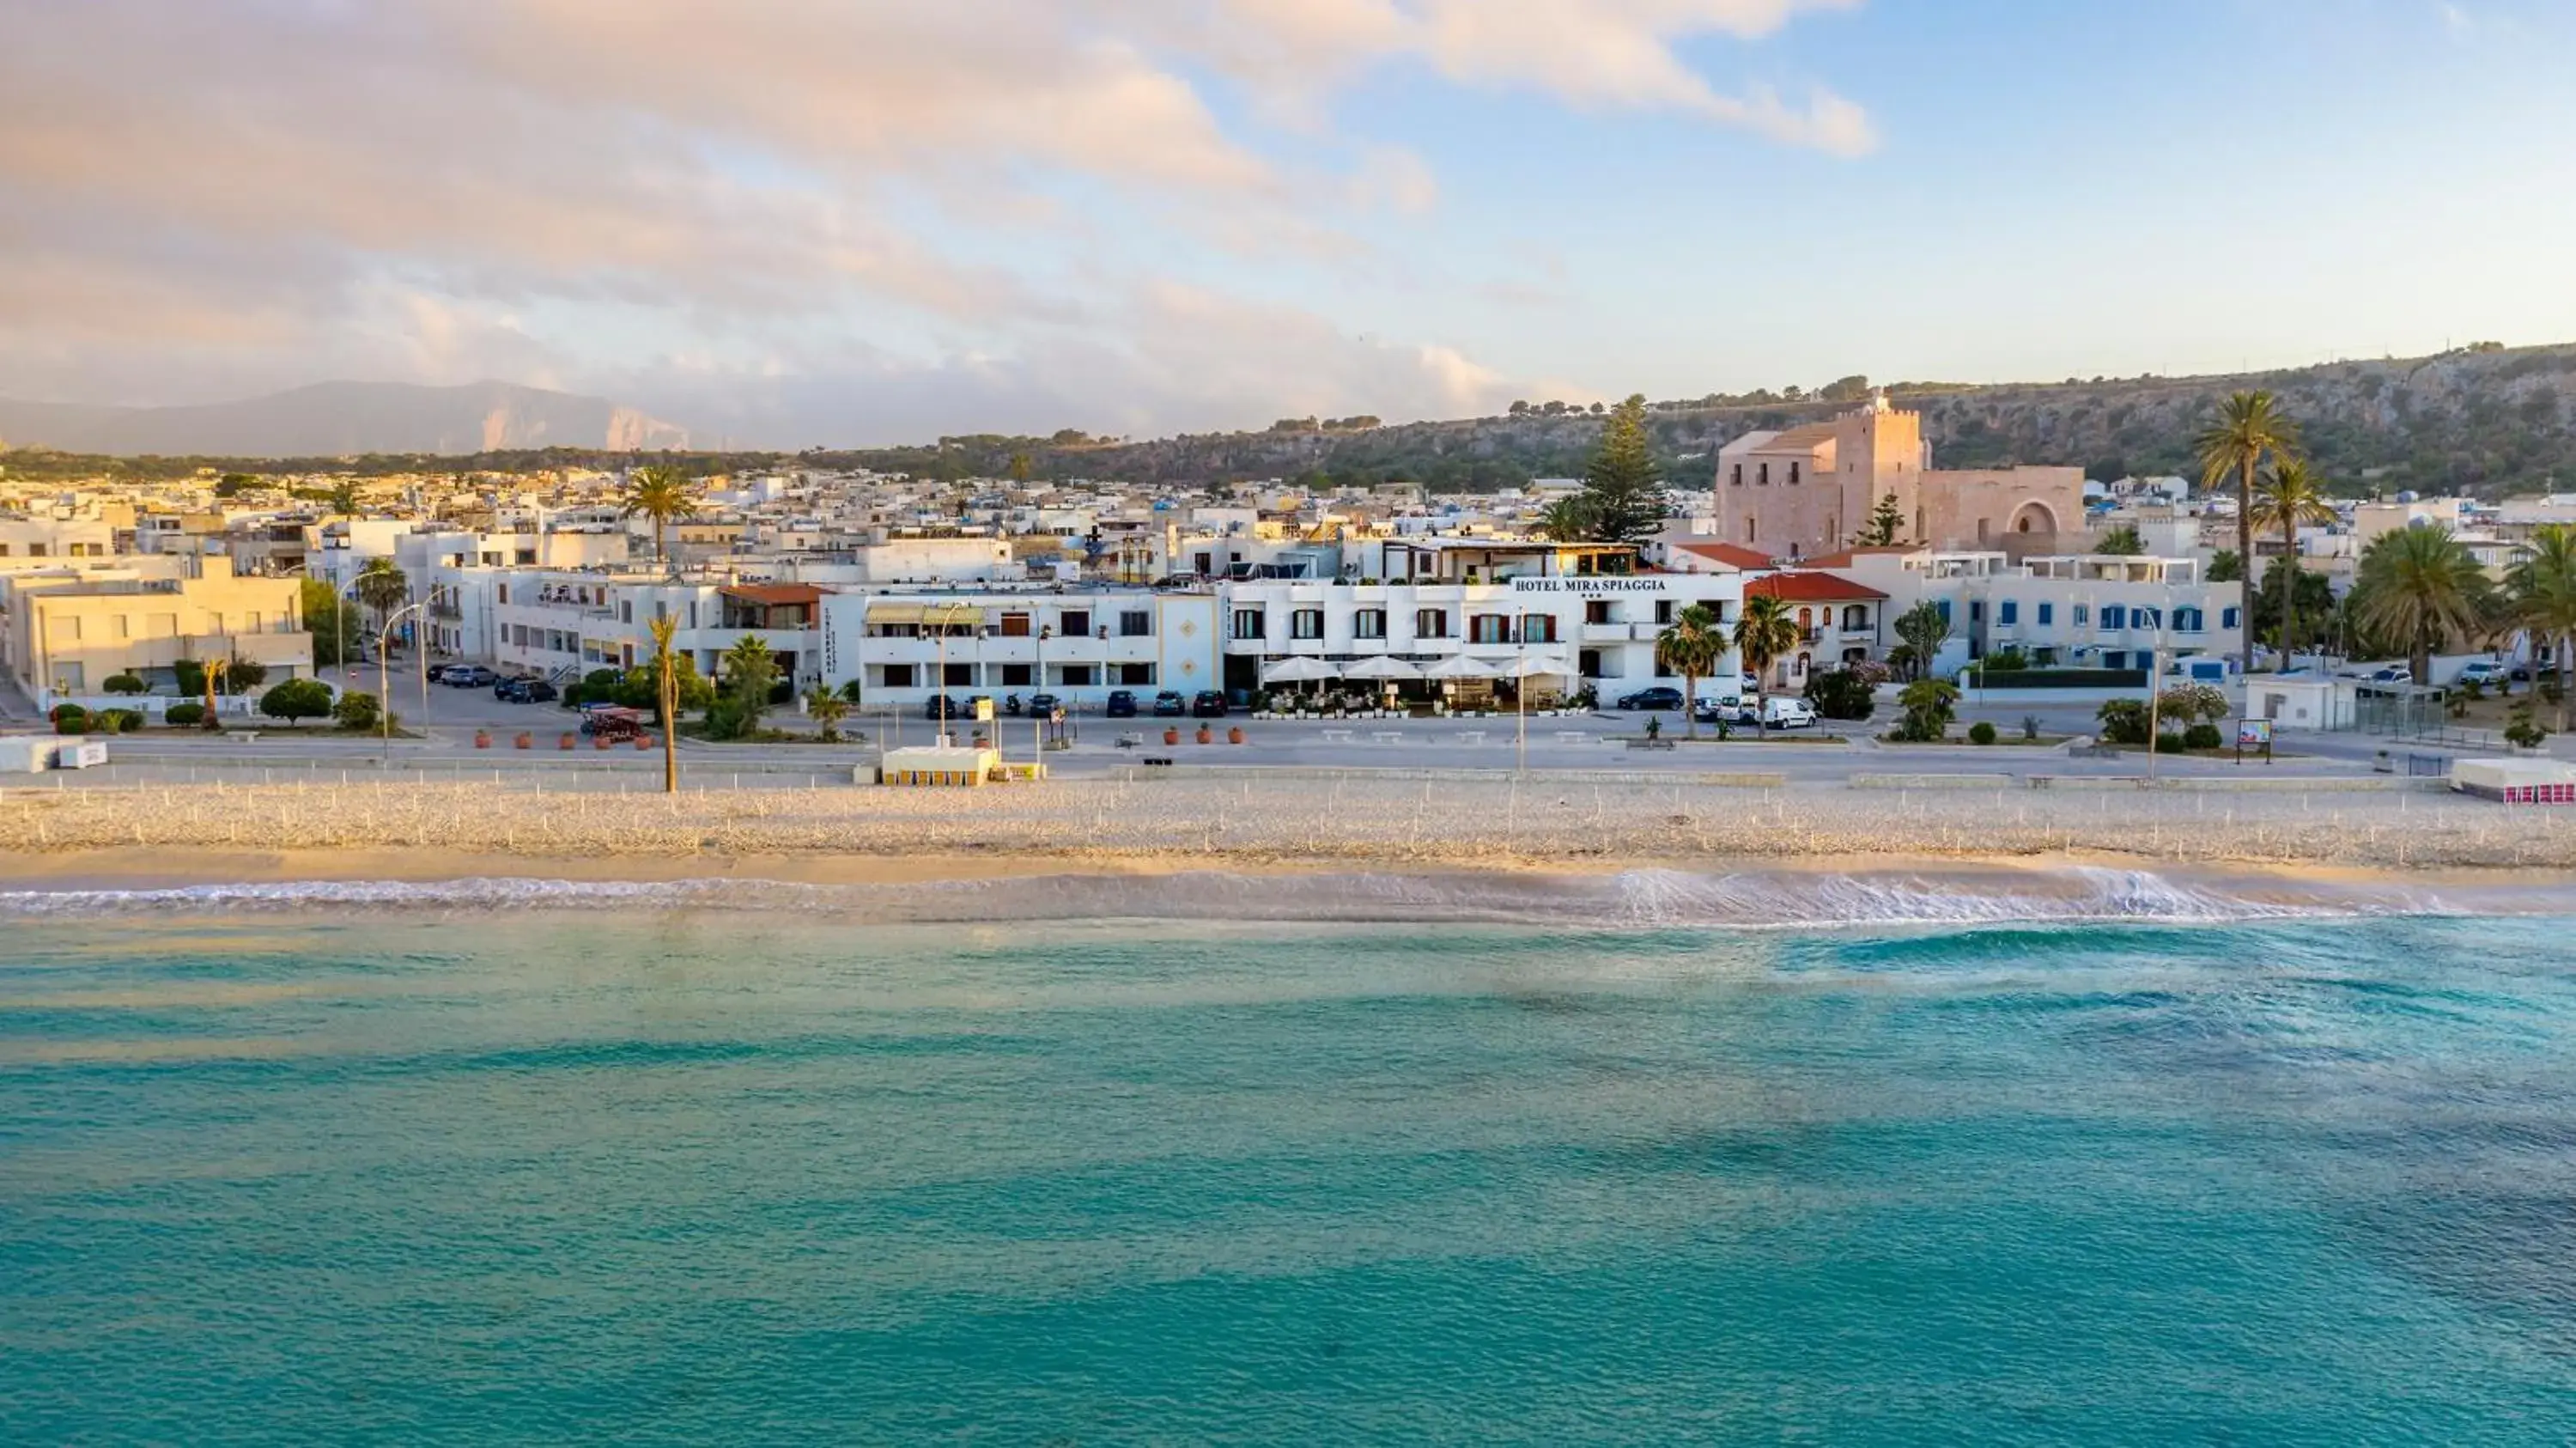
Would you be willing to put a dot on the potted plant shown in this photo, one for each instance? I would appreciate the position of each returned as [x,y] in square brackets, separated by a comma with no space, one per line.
[1234,735]
[482,738]
[1171,734]
[525,740]
[567,742]
[1206,735]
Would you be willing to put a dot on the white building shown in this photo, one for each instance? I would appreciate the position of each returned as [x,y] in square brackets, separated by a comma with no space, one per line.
[904,646]
[2107,611]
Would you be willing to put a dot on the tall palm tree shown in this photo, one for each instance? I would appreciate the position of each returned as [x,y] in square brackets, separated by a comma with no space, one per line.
[1565,521]
[666,684]
[2418,587]
[2250,429]
[2288,495]
[1764,634]
[1692,646]
[659,492]
[2542,590]
[382,587]
[827,709]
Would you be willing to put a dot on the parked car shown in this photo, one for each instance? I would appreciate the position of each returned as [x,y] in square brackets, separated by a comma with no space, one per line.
[1169,704]
[468,676]
[1782,711]
[437,672]
[2485,673]
[1658,697]
[1208,705]
[1722,709]
[524,691]
[940,709]
[1042,705]
[1122,704]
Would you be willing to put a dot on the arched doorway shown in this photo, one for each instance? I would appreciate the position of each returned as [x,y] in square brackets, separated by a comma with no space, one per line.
[2034,517]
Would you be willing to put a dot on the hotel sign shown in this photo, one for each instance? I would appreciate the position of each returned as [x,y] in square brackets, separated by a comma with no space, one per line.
[1589,585]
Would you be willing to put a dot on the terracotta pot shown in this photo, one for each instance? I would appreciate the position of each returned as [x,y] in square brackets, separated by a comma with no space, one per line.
[1206,735]
[643,741]
[525,740]
[599,741]
[1171,736]
[1234,736]
[482,739]
[567,741]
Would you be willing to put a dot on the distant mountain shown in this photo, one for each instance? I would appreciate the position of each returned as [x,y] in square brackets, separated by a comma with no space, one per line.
[336,419]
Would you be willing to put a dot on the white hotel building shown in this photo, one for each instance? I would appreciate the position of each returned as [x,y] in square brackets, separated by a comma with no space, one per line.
[1078,644]
[1448,606]
[2107,611]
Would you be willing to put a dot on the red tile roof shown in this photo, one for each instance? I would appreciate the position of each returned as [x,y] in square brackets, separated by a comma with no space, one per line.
[1731,554]
[1809,587]
[775,595]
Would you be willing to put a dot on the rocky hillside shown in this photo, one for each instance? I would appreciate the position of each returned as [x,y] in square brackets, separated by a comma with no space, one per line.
[2487,421]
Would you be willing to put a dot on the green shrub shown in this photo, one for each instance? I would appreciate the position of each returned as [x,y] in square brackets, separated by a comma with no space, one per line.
[1928,710]
[1981,732]
[2169,743]
[1840,694]
[2030,727]
[70,719]
[2203,736]
[357,711]
[2124,721]
[116,721]
[2524,729]
[297,699]
[184,716]
[125,684]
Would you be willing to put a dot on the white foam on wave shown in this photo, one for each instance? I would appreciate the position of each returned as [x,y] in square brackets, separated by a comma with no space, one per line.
[1655,898]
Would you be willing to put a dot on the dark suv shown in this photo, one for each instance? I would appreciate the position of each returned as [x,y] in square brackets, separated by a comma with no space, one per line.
[1655,698]
[1170,705]
[524,691]
[1208,705]
[941,708]
[1122,704]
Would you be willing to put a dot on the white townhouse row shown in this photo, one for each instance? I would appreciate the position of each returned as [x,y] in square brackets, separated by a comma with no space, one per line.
[2108,611]
[903,645]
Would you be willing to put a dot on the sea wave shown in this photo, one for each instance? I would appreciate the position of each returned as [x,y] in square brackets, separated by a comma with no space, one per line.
[1643,898]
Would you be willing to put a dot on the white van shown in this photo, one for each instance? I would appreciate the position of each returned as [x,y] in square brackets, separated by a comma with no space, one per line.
[1789,712]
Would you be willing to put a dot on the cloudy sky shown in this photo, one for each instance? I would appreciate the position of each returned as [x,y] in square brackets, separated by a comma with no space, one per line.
[842,221]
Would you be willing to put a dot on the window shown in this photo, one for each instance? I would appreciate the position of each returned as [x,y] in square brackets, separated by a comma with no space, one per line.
[501,592]
[2047,614]
[2083,614]
[1369,623]
[1598,610]
[1080,676]
[1136,676]
[1663,610]
[1855,617]
[1976,610]
[1538,628]
[1136,623]
[4,550]
[1945,612]
[1431,623]
[898,676]
[1490,628]
[2146,618]
[1739,475]
[1250,623]
[1015,625]
[1077,623]
[35,550]
[960,676]
[2008,611]
[1762,477]
[1018,676]
[2114,616]
[2231,618]
[1306,623]
[1793,473]
[2188,620]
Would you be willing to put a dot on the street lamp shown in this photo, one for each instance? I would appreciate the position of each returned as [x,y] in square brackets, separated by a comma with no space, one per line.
[384,677]
[1037,723]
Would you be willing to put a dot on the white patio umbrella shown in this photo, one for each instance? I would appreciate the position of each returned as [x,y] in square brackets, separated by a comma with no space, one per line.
[1460,666]
[1298,671]
[1380,667]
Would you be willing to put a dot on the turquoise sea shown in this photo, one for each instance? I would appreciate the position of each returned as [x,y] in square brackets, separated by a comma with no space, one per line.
[661,1167]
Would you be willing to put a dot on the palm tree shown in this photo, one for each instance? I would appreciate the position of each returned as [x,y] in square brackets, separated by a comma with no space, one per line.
[382,586]
[2250,429]
[2542,589]
[1692,647]
[2289,495]
[1924,628]
[344,497]
[659,492]
[827,709]
[1764,634]
[1565,521]
[666,685]
[750,671]
[2418,587]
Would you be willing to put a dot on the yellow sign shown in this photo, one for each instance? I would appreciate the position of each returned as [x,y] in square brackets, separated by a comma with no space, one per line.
[983,711]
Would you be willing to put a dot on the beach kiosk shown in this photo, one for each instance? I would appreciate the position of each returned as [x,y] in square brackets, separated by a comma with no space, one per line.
[941,766]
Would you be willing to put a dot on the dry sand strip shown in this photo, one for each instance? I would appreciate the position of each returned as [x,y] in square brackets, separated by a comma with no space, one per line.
[1244,822]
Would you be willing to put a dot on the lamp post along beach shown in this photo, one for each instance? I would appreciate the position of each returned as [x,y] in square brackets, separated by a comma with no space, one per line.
[385,678]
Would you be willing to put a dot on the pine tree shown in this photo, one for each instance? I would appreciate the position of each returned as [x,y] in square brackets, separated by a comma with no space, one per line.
[1886,522]
[1623,495]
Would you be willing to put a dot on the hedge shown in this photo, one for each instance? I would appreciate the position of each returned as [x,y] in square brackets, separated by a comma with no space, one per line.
[2058,678]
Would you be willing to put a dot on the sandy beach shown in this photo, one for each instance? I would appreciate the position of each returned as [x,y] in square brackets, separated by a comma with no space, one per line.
[440,831]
